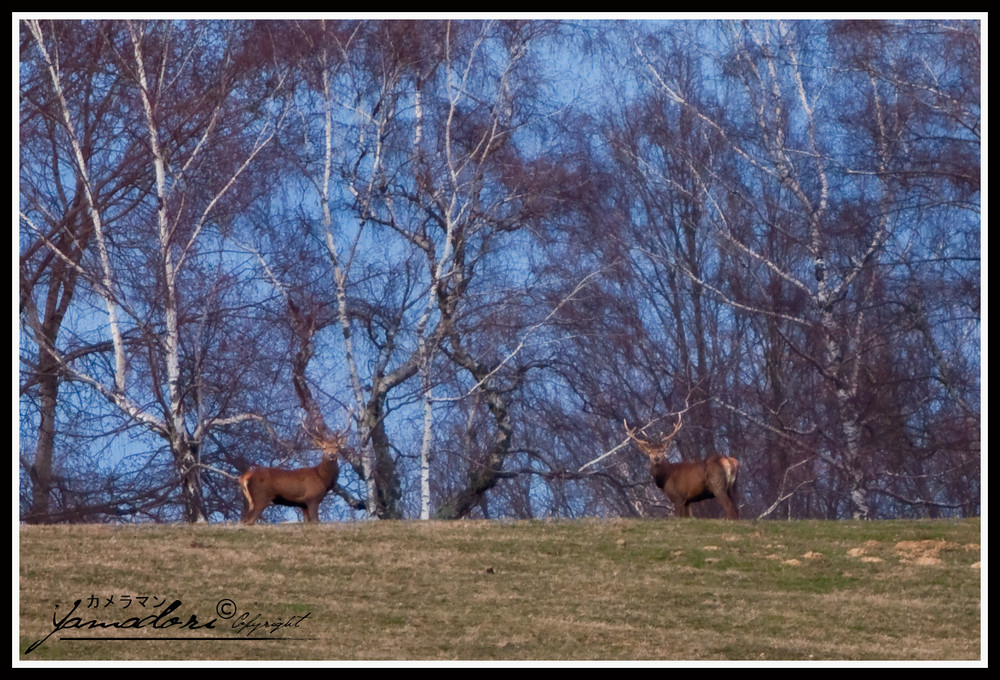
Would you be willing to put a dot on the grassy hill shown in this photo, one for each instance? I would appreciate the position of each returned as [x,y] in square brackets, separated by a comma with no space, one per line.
[582,590]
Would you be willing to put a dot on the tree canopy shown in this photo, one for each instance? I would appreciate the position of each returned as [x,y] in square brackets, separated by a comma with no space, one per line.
[477,247]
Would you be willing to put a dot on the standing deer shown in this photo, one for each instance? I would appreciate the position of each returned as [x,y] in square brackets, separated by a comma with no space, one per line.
[691,481]
[301,487]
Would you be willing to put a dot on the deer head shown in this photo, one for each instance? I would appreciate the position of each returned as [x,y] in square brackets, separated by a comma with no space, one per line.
[692,481]
[657,452]
[300,487]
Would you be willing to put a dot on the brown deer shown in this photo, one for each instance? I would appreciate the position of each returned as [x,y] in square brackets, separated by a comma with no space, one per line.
[301,487]
[689,482]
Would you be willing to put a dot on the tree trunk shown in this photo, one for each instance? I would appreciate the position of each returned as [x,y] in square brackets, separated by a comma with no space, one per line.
[191,485]
[41,467]
[489,473]
[61,287]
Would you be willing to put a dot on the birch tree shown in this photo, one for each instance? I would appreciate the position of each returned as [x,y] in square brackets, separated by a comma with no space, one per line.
[55,230]
[483,244]
[806,211]
[409,149]
[195,152]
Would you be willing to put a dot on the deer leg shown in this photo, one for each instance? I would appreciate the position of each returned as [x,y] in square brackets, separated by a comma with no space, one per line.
[681,508]
[254,509]
[311,511]
[251,515]
[728,502]
[733,512]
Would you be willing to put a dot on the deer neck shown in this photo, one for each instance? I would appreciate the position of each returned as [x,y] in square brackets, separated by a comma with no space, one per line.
[328,469]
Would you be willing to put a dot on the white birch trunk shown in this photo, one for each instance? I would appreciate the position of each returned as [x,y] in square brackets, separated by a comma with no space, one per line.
[425,448]
[186,453]
[106,285]
[340,278]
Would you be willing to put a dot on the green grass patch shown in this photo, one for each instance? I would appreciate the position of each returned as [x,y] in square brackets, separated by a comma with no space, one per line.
[585,590]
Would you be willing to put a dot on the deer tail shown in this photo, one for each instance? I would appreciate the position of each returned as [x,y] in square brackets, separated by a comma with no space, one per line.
[732,468]
[245,488]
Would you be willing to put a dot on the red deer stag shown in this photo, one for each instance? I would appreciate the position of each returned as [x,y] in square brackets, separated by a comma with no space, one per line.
[301,488]
[691,481]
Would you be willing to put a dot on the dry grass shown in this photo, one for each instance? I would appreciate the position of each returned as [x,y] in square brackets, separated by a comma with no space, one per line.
[586,590]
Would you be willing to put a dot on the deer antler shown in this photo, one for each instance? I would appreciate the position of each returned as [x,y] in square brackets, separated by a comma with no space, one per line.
[631,434]
[649,448]
[677,427]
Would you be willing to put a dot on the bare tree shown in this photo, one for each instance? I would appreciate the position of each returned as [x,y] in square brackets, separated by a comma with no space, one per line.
[487,243]
[194,150]
[804,208]
[418,182]
[56,232]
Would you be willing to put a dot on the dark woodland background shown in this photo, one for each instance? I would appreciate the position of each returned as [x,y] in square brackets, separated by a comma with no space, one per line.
[476,247]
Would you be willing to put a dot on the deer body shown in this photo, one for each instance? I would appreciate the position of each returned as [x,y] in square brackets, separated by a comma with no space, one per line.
[692,481]
[695,481]
[301,488]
